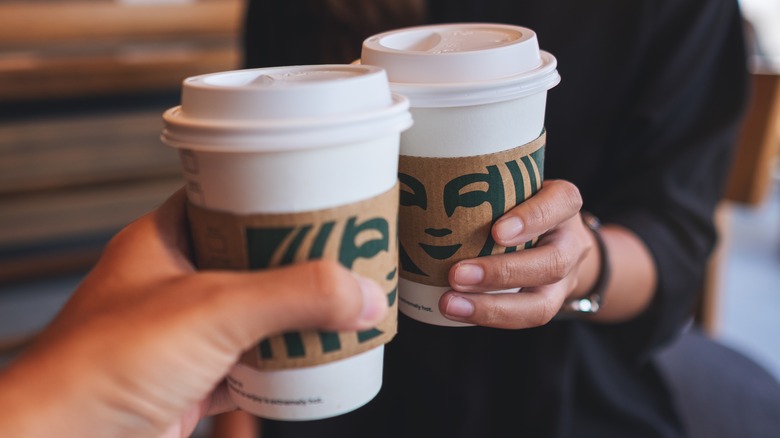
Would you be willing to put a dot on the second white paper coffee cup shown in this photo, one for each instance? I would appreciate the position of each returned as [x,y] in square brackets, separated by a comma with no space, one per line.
[291,141]
[475,89]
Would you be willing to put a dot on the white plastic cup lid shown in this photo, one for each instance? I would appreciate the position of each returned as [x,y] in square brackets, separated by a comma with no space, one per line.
[462,64]
[283,108]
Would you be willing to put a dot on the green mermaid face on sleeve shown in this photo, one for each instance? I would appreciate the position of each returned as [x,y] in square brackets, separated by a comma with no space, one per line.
[448,207]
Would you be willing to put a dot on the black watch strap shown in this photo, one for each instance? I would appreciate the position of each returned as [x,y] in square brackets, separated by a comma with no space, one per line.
[591,303]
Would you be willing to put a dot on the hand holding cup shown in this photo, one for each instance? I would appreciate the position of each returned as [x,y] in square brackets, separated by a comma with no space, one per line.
[546,274]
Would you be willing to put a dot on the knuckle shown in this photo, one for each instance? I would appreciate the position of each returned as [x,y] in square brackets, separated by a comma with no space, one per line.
[209,287]
[586,248]
[568,193]
[127,238]
[540,212]
[572,195]
[505,272]
[496,315]
[544,313]
[117,241]
[558,265]
[328,278]
[335,287]
[573,283]
[550,308]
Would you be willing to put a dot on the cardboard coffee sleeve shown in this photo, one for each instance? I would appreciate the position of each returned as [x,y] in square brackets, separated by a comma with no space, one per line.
[448,206]
[361,236]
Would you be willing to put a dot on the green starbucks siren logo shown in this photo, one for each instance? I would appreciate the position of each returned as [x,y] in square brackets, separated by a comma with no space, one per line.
[361,236]
[287,244]
[448,206]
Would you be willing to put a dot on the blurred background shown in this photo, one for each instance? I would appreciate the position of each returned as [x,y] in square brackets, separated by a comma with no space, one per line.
[83,85]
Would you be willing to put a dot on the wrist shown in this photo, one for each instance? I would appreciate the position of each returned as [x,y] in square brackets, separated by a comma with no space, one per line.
[589,270]
[594,272]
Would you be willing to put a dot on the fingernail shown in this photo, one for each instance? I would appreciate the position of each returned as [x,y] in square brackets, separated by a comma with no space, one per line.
[374,301]
[468,274]
[509,228]
[459,307]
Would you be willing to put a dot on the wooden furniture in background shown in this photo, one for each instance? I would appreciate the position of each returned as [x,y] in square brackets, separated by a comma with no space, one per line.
[83,85]
[759,143]
[58,48]
[752,172]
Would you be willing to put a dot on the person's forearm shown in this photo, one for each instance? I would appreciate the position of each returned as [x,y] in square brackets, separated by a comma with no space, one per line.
[632,280]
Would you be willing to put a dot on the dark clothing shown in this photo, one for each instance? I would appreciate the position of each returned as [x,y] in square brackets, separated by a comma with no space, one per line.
[644,123]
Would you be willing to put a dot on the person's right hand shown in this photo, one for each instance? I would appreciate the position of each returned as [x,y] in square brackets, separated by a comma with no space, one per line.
[548,273]
[564,264]
[143,346]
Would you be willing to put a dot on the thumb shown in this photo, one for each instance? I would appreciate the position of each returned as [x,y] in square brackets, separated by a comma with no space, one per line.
[319,294]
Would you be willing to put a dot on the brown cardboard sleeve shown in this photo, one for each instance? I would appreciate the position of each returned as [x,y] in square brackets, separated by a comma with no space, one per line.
[448,206]
[361,236]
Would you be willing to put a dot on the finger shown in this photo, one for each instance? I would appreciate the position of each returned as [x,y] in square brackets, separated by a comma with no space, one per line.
[171,222]
[219,402]
[555,257]
[528,268]
[555,202]
[531,307]
[135,260]
[157,242]
[322,294]
[236,424]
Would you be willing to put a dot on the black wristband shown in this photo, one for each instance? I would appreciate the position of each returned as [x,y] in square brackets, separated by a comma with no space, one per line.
[591,303]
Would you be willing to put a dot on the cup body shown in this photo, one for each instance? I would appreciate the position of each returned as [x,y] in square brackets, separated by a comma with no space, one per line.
[279,166]
[478,94]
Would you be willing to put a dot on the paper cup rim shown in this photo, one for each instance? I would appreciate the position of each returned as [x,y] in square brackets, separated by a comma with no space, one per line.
[207,81]
[283,134]
[426,95]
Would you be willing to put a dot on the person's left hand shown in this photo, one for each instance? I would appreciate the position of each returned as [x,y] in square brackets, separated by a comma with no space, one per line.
[142,347]
[547,273]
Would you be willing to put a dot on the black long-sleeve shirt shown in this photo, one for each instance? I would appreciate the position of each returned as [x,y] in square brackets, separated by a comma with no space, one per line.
[644,123]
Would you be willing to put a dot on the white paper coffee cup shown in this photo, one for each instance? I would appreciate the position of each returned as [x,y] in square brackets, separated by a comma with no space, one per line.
[283,142]
[475,89]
